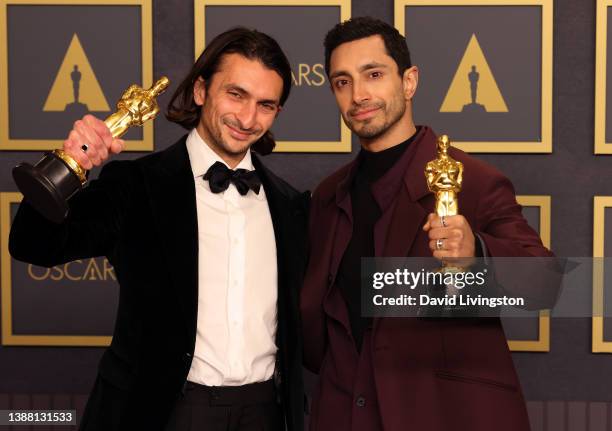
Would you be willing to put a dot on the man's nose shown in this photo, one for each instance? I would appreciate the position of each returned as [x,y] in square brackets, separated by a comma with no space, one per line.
[247,115]
[360,93]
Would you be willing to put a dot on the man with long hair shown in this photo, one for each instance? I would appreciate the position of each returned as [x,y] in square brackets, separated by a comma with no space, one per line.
[208,248]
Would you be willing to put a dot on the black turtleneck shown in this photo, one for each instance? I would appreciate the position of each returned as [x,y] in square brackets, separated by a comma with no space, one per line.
[365,211]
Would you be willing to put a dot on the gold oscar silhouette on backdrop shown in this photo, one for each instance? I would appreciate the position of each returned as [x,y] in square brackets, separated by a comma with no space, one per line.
[473,90]
[76,107]
[76,89]
[57,177]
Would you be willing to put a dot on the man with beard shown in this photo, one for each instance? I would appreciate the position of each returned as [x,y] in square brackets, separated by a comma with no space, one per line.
[208,247]
[402,373]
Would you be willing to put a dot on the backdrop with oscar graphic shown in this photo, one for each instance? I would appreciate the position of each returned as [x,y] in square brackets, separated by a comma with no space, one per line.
[521,84]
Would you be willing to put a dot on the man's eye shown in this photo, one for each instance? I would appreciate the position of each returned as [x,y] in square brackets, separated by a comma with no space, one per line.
[269,107]
[376,74]
[341,83]
[235,94]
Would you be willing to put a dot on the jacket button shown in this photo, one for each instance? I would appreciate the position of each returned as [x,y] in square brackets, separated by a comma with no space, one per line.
[360,402]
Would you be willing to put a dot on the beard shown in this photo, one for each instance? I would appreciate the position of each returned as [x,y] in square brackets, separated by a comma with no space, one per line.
[375,127]
[215,133]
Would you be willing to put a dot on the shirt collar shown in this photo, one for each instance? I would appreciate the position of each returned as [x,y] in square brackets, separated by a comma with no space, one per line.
[386,188]
[202,157]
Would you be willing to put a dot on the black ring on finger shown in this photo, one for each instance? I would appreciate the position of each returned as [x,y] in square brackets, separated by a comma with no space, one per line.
[84,147]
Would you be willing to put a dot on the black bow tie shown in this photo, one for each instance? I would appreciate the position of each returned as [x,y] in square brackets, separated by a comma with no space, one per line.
[219,177]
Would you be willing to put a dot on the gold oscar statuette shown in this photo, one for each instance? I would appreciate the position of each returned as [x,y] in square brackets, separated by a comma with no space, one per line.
[50,183]
[444,176]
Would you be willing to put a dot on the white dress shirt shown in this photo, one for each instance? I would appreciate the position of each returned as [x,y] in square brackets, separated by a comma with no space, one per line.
[237,279]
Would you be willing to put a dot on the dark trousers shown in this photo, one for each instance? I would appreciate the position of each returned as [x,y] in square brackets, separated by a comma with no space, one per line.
[251,407]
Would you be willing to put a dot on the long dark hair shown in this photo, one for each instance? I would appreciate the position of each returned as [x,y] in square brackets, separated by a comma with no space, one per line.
[251,44]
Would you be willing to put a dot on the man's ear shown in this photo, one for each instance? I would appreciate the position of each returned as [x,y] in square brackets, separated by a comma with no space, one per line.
[410,79]
[199,91]
[280,108]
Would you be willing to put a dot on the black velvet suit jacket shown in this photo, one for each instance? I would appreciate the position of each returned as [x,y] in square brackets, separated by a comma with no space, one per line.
[141,215]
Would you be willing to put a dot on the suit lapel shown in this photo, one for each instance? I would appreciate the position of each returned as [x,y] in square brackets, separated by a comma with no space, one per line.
[283,210]
[278,203]
[396,231]
[172,196]
[344,223]
[407,216]
[288,211]
[406,219]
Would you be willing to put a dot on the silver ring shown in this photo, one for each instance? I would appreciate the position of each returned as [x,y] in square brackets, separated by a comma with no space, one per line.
[443,219]
[84,147]
[439,244]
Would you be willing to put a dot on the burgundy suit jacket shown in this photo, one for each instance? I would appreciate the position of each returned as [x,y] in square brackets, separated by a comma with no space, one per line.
[429,374]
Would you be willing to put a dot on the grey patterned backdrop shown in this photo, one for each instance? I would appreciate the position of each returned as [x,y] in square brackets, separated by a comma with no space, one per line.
[569,387]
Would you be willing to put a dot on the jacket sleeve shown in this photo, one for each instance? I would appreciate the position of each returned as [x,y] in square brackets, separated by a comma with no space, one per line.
[91,228]
[311,306]
[506,233]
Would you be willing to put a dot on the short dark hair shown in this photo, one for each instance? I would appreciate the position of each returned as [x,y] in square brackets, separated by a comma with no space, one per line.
[251,44]
[366,26]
